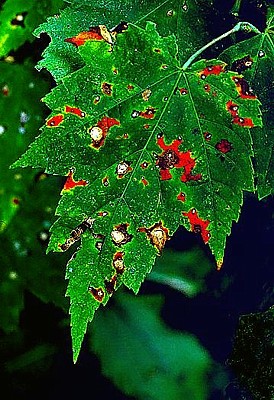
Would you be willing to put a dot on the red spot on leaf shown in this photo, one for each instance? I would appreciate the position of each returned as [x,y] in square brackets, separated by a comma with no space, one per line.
[75,111]
[149,113]
[172,157]
[55,121]
[118,262]
[224,146]
[102,213]
[146,126]
[144,165]
[183,91]
[144,181]
[198,225]
[99,132]
[96,33]
[207,88]
[245,122]
[5,90]
[181,197]
[71,183]
[212,70]
[98,294]
[232,108]
[15,201]
[130,87]
[207,136]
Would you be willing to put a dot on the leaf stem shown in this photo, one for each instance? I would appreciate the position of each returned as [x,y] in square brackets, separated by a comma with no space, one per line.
[240,26]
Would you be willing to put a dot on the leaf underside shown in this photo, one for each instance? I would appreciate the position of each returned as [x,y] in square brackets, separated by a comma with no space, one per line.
[147,147]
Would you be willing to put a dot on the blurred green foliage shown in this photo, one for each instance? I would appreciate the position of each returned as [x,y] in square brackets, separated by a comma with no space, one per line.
[144,357]
[18,19]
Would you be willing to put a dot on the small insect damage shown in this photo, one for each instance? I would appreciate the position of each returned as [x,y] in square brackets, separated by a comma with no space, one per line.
[172,157]
[76,233]
[198,225]
[71,183]
[120,235]
[118,262]
[98,33]
[157,234]
[98,132]
[97,293]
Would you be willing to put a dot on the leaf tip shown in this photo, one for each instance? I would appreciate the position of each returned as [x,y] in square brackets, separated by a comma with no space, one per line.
[219,264]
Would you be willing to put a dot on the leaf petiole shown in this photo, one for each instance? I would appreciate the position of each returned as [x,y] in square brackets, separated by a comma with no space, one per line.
[240,26]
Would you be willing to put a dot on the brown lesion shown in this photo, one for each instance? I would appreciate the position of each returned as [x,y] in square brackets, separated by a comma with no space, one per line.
[111,284]
[120,235]
[118,262]
[76,233]
[158,234]
[107,88]
[123,168]
[146,94]
[97,293]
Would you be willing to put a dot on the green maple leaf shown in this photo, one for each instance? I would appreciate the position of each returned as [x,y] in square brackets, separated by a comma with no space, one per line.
[18,19]
[255,58]
[148,146]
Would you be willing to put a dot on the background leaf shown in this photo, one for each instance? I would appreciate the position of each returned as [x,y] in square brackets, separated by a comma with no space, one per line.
[167,364]
[18,19]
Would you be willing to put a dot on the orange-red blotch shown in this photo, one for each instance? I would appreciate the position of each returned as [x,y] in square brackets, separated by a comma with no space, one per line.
[98,294]
[212,70]
[118,262]
[243,88]
[102,213]
[157,234]
[96,33]
[82,37]
[110,284]
[99,132]
[71,183]
[232,108]
[75,111]
[172,157]
[55,121]
[144,165]
[149,113]
[245,122]
[130,87]
[198,225]
[144,181]
[181,196]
